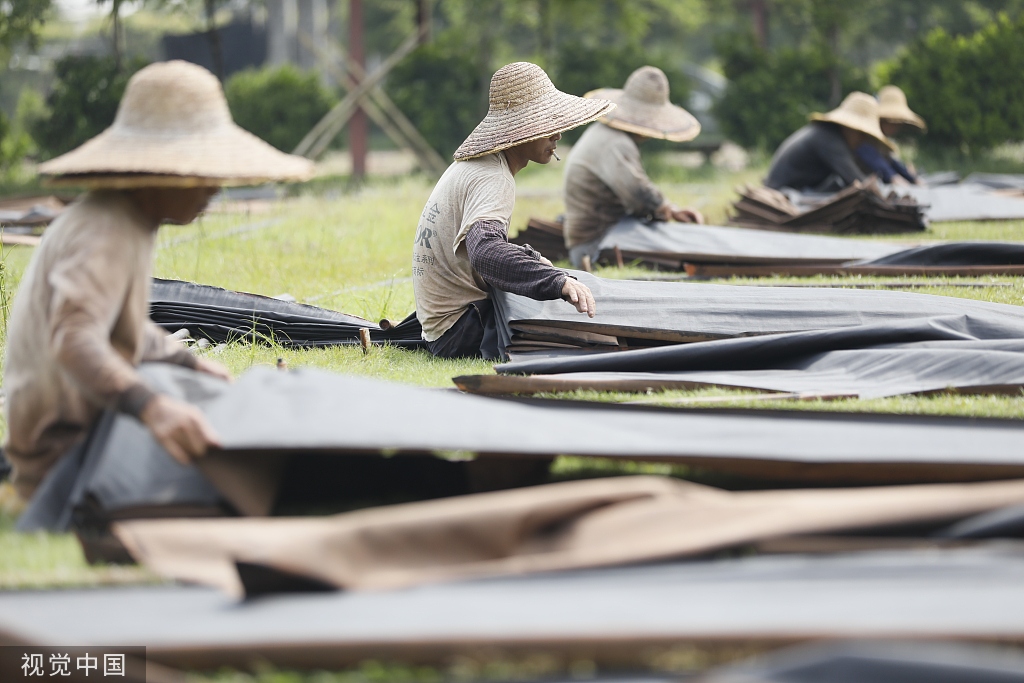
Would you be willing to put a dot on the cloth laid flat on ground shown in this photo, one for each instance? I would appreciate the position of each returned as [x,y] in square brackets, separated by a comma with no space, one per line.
[30,212]
[556,527]
[268,419]
[877,662]
[221,315]
[715,251]
[615,617]
[858,209]
[869,361]
[637,313]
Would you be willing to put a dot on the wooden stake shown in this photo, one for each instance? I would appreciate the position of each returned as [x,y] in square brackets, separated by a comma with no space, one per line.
[585,262]
[364,339]
[618,257]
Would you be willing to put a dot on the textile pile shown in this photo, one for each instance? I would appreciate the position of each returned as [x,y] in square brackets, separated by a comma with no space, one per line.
[221,315]
[858,209]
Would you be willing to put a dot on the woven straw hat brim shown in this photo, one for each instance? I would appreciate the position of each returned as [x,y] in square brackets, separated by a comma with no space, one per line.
[225,155]
[556,113]
[657,121]
[905,116]
[854,122]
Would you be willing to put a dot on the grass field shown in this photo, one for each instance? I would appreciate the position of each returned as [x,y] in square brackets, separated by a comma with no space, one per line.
[349,250]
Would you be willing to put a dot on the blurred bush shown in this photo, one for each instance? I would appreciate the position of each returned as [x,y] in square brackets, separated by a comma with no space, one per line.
[16,142]
[82,103]
[439,89]
[771,93]
[968,89]
[278,104]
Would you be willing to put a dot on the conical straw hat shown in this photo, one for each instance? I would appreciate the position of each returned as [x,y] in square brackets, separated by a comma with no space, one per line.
[173,129]
[892,106]
[644,108]
[525,105]
[859,111]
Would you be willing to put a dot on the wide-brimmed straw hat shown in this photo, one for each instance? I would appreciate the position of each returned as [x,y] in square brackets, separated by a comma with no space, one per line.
[859,111]
[892,106]
[644,108]
[525,105]
[173,129]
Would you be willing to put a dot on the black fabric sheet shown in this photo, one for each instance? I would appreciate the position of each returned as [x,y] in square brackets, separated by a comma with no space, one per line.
[971,594]
[268,414]
[878,662]
[716,244]
[222,315]
[870,361]
[683,312]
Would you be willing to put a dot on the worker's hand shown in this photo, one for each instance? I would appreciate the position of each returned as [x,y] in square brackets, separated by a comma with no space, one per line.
[180,428]
[899,180]
[664,212]
[212,367]
[687,216]
[578,294]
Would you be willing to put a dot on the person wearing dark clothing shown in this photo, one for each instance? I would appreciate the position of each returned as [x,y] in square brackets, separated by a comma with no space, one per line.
[821,156]
[886,167]
[815,157]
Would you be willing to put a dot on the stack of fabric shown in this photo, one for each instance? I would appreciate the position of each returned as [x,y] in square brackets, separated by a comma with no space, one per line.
[221,315]
[858,209]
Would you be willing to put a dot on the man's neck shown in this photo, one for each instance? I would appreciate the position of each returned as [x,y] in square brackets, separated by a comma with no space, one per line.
[516,161]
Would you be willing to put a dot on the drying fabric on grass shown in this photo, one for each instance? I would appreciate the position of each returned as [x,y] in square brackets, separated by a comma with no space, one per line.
[557,527]
[268,419]
[636,313]
[869,361]
[609,616]
[221,315]
[708,250]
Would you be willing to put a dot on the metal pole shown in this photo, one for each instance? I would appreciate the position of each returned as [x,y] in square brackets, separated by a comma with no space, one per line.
[358,126]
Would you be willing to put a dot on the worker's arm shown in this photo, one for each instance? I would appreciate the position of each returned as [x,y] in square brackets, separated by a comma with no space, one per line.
[89,288]
[622,171]
[515,269]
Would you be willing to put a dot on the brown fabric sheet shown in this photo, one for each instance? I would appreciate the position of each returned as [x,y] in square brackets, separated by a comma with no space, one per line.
[556,527]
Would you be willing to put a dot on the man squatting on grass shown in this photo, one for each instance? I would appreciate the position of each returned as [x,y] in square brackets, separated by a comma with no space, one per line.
[461,249]
[604,176]
[80,323]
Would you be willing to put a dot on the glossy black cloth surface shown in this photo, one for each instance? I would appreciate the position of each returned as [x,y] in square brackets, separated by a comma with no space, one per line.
[222,315]
[917,355]
[691,311]
[968,593]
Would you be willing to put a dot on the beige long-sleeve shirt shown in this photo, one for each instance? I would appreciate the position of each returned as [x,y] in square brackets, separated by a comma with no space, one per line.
[79,326]
[604,181]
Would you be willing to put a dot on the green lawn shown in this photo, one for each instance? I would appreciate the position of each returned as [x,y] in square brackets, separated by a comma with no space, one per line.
[350,251]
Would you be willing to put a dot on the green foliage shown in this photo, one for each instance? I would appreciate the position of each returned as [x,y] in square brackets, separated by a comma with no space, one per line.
[21,20]
[968,89]
[438,88]
[83,102]
[771,93]
[278,104]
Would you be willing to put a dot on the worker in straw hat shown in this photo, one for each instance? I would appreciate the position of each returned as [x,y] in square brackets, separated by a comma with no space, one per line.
[821,156]
[604,177]
[894,117]
[461,250]
[80,323]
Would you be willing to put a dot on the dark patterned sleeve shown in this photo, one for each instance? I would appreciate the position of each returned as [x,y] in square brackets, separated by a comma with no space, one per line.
[509,267]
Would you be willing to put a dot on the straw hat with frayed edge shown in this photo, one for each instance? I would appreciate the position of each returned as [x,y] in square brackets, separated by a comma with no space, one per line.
[173,129]
[525,105]
[859,111]
[644,108]
[892,106]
